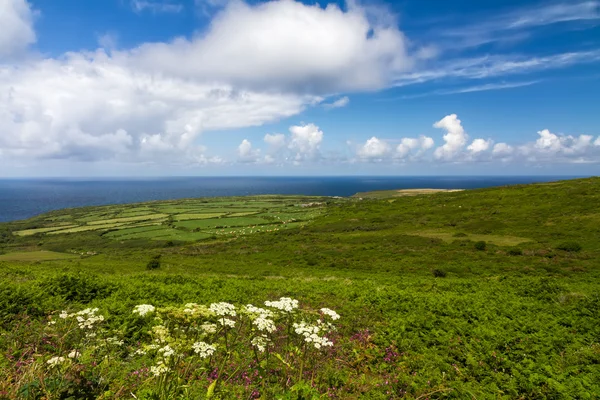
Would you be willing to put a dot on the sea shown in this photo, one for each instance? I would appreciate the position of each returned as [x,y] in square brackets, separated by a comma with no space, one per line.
[25,198]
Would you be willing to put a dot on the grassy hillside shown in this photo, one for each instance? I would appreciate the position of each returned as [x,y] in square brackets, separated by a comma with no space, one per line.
[489,293]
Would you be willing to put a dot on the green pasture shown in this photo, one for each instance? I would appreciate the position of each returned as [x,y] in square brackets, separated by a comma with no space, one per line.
[424,312]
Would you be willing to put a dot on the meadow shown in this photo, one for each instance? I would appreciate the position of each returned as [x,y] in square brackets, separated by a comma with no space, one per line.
[478,294]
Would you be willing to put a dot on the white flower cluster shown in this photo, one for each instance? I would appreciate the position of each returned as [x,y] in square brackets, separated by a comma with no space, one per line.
[262,318]
[161,332]
[166,351]
[223,309]
[284,304]
[208,328]
[260,342]
[55,361]
[159,369]
[74,354]
[87,318]
[265,324]
[329,312]
[227,322]
[204,350]
[143,309]
[311,335]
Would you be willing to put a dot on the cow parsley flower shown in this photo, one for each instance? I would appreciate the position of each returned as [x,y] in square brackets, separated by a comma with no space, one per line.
[227,322]
[208,328]
[284,304]
[55,361]
[311,335]
[260,342]
[166,351]
[63,314]
[204,350]
[332,314]
[159,369]
[265,324]
[223,309]
[143,309]
[74,354]
[258,311]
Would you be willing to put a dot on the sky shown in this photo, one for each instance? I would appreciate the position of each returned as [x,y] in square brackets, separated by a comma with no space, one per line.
[284,87]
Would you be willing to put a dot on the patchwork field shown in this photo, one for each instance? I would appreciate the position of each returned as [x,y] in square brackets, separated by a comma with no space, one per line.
[180,220]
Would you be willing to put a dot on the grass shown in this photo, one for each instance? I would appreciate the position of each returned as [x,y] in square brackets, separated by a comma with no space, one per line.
[423,313]
[36,256]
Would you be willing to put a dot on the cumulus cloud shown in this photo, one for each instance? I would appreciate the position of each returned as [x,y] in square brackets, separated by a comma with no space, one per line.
[373,149]
[556,147]
[246,153]
[16,20]
[305,142]
[339,103]
[479,145]
[455,138]
[42,105]
[275,141]
[502,150]
[287,45]
[408,145]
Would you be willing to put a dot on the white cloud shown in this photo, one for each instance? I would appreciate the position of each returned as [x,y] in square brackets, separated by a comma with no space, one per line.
[286,45]
[156,6]
[41,104]
[16,20]
[246,153]
[305,142]
[408,145]
[455,138]
[373,149]
[339,103]
[479,145]
[502,150]
[597,142]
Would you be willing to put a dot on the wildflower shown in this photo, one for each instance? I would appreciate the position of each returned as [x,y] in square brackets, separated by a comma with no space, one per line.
[208,328]
[161,332]
[257,310]
[63,314]
[139,352]
[223,309]
[74,354]
[55,361]
[284,304]
[310,333]
[204,350]
[166,351]
[51,322]
[159,369]
[265,324]
[332,314]
[260,342]
[227,322]
[143,309]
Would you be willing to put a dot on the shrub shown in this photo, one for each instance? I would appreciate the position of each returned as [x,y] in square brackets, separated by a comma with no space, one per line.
[569,246]
[460,235]
[154,262]
[438,273]
[481,245]
[515,251]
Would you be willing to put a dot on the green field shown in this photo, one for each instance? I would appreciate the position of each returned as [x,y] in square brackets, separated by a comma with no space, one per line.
[479,294]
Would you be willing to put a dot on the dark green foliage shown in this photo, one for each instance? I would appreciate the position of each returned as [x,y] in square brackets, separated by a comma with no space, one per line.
[80,288]
[515,251]
[569,246]
[460,235]
[154,262]
[480,245]
[438,273]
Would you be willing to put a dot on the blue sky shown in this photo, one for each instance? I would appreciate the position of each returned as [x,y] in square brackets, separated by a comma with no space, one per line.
[227,87]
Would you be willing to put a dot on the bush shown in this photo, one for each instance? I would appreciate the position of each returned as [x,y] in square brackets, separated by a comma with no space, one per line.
[515,251]
[154,262]
[438,273]
[460,235]
[481,245]
[569,246]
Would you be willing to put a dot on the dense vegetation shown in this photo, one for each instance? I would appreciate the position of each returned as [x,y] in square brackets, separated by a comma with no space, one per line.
[490,293]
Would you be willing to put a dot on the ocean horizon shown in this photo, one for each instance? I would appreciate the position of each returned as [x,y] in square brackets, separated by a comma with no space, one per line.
[22,198]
